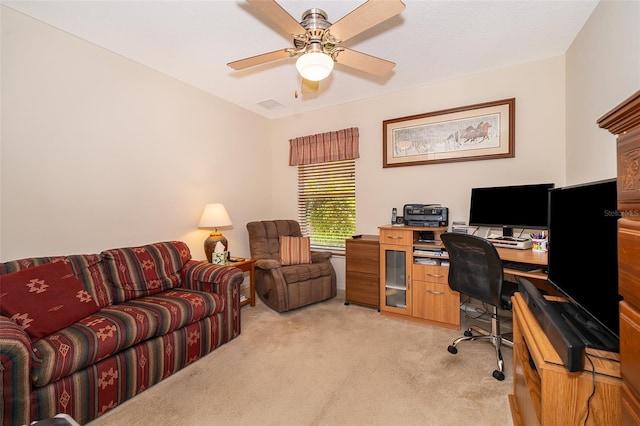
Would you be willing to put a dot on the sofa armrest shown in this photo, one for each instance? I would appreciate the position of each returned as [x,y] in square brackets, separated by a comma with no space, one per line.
[267,264]
[209,277]
[320,256]
[15,373]
[222,280]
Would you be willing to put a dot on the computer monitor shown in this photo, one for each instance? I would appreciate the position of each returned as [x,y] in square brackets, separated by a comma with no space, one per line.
[515,206]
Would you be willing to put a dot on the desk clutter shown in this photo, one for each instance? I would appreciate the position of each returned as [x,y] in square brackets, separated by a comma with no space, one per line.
[510,242]
[539,241]
[491,207]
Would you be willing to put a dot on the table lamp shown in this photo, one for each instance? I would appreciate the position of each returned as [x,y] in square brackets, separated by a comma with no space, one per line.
[214,216]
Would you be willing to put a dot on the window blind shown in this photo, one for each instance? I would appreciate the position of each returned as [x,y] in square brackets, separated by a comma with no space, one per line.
[327,202]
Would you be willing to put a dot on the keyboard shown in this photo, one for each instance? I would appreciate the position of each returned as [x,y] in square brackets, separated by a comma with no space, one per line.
[520,266]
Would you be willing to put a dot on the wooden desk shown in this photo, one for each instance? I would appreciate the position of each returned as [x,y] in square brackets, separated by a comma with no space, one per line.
[420,292]
[537,277]
[524,256]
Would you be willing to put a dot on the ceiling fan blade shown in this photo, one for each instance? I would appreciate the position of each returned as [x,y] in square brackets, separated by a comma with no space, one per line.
[278,15]
[309,86]
[367,63]
[365,16]
[259,59]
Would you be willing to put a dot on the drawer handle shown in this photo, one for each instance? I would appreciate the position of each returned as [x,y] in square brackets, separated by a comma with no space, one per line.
[435,292]
[394,237]
[436,275]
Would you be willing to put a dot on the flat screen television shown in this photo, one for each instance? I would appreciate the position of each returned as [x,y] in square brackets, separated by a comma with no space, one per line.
[517,206]
[583,258]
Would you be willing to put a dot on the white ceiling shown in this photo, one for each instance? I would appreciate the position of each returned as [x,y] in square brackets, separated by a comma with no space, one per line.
[431,40]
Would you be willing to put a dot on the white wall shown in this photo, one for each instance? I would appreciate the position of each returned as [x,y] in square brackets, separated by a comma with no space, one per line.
[558,101]
[539,144]
[100,152]
[603,69]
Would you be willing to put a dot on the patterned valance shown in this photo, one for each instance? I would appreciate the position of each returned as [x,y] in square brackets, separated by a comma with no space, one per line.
[324,147]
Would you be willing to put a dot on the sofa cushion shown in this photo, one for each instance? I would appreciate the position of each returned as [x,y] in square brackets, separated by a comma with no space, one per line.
[45,299]
[295,250]
[90,340]
[142,271]
[116,328]
[173,309]
[88,268]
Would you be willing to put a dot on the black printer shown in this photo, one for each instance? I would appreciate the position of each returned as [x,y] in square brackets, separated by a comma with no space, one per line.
[427,215]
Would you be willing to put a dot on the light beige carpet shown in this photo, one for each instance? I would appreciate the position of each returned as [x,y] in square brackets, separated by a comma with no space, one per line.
[329,364]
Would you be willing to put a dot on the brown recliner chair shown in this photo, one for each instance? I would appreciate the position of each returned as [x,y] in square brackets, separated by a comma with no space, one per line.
[284,288]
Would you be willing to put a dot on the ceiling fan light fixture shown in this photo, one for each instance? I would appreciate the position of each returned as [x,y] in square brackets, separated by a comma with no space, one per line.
[314,66]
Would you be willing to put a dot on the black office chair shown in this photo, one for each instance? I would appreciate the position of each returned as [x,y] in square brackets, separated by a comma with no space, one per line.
[475,269]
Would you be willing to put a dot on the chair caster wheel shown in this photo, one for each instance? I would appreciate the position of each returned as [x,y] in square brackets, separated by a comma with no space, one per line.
[452,349]
[498,375]
[468,333]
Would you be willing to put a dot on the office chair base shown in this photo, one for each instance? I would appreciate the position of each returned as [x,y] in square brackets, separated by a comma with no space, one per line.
[495,340]
[469,332]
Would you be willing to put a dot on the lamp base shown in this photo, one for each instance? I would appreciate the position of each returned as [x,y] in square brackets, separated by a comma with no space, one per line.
[211,242]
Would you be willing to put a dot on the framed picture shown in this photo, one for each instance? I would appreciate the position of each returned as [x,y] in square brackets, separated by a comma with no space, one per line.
[474,132]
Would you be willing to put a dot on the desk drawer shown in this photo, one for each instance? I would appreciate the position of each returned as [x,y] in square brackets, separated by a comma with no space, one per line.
[436,302]
[396,236]
[363,289]
[431,273]
[362,257]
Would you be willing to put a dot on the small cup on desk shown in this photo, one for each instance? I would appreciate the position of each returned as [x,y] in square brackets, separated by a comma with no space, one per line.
[539,244]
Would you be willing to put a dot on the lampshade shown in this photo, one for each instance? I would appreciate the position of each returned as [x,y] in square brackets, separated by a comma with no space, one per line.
[314,66]
[213,216]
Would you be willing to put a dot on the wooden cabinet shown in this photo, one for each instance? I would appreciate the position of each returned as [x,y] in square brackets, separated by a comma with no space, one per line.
[546,393]
[413,290]
[624,121]
[363,271]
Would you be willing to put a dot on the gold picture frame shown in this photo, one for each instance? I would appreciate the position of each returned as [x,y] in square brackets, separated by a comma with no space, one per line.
[474,132]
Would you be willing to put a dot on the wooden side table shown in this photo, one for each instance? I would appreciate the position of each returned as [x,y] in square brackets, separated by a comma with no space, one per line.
[247,265]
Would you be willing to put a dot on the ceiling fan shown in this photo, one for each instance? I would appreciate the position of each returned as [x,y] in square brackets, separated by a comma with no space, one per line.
[316,41]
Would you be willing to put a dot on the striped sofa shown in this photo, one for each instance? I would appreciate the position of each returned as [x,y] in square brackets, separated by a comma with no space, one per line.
[157,311]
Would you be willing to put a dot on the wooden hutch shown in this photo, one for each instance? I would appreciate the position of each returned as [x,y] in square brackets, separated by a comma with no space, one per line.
[624,121]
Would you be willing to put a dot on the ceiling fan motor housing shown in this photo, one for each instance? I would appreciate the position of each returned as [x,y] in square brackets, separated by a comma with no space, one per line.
[316,38]
[315,18]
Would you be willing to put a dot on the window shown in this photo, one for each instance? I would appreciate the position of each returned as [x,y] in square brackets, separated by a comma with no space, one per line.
[326,186]
[327,202]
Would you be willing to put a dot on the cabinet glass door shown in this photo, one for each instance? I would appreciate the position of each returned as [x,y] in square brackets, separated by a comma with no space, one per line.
[395,285]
